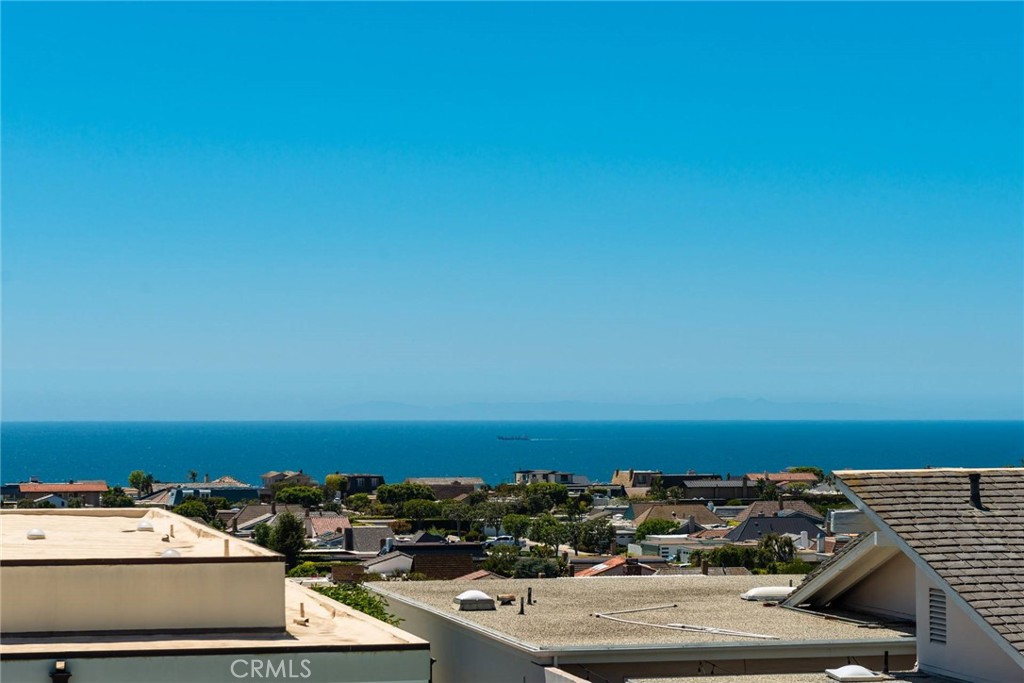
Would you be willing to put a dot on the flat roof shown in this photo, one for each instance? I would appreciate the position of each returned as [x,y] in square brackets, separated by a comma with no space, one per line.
[895,677]
[98,534]
[332,627]
[563,613]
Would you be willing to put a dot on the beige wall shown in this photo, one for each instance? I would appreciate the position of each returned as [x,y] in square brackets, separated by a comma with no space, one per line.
[888,591]
[969,653]
[409,666]
[142,596]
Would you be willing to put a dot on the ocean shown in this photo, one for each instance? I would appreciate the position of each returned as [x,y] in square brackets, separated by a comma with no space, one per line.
[55,451]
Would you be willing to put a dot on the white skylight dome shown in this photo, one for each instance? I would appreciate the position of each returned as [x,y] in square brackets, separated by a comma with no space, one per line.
[768,593]
[473,601]
[35,534]
[853,673]
[170,553]
[145,525]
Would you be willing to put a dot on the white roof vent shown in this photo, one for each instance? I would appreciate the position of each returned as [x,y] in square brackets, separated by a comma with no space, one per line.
[768,593]
[35,534]
[853,673]
[474,601]
[145,525]
[170,553]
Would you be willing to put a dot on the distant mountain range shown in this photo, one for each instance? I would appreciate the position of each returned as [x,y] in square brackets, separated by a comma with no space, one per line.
[721,409]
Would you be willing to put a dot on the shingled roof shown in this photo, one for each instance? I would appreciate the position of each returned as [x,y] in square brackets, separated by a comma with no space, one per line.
[700,513]
[771,508]
[978,552]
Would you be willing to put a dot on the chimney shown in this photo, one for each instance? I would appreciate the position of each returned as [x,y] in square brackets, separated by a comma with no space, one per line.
[781,506]
[805,542]
[975,478]
[234,524]
[572,570]
[821,542]
[704,566]
[744,486]
[273,507]
[206,478]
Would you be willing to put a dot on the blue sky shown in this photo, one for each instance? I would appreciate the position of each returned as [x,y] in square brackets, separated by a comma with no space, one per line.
[277,210]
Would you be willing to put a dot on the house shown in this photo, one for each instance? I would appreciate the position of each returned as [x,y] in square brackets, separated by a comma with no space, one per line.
[617,566]
[670,480]
[448,488]
[479,575]
[721,490]
[274,479]
[947,555]
[53,499]
[756,528]
[389,564]
[171,494]
[216,608]
[775,508]
[567,479]
[90,492]
[680,513]
[243,521]
[635,483]
[618,628]
[674,547]
[783,477]
[362,483]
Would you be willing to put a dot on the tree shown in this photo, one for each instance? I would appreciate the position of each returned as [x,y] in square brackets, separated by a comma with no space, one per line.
[596,535]
[547,530]
[531,567]
[360,502]
[556,493]
[816,471]
[192,507]
[26,504]
[334,484]
[517,526]
[419,510]
[116,498]
[775,548]
[457,512]
[288,537]
[767,490]
[76,502]
[396,494]
[261,534]
[491,513]
[361,599]
[44,504]
[400,526]
[502,560]
[657,490]
[192,476]
[306,496]
[655,527]
[137,480]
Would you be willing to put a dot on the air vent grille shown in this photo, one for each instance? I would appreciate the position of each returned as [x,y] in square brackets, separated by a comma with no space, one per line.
[936,616]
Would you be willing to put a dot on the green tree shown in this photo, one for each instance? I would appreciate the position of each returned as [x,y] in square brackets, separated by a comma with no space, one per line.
[396,494]
[597,536]
[141,482]
[547,530]
[657,490]
[261,534]
[44,504]
[192,476]
[76,502]
[502,560]
[517,526]
[116,498]
[556,493]
[531,567]
[655,527]
[775,548]
[288,537]
[816,471]
[359,598]
[491,513]
[456,511]
[419,510]
[334,484]
[767,490]
[360,502]
[306,496]
[192,507]
[400,526]
[26,504]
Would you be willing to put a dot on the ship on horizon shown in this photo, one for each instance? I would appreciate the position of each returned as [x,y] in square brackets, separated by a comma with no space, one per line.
[521,437]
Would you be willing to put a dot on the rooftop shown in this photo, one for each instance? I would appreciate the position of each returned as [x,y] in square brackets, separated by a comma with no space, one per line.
[112,534]
[979,552]
[896,677]
[563,615]
[332,627]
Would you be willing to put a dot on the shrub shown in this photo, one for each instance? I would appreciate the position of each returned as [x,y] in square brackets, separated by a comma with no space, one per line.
[362,599]
[531,567]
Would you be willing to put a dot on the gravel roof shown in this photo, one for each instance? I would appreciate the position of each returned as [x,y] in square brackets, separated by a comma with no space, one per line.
[563,613]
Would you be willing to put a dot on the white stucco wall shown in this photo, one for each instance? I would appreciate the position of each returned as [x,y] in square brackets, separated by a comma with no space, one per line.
[969,653]
[410,666]
[888,591]
[137,597]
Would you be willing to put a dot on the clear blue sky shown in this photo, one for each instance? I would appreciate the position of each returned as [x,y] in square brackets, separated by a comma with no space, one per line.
[275,210]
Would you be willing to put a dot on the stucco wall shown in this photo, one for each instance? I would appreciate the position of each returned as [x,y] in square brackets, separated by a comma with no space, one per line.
[411,666]
[138,597]
[968,653]
[888,591]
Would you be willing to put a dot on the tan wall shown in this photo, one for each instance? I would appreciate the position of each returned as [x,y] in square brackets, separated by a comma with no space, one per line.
[888,591]
[138,597]
[968,653]
[410,666]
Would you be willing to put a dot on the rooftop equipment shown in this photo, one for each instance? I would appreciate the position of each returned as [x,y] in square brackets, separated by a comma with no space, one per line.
[474,601]
[768,593]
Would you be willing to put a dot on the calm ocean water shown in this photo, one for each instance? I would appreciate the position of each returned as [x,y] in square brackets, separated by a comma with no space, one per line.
[110,450]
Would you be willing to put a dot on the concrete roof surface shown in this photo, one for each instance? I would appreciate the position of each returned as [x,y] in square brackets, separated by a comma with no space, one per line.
[111,533]
[563,615]
[896,677]
[331,624]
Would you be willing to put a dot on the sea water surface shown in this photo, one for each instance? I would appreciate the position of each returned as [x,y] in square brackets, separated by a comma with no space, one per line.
[55,451]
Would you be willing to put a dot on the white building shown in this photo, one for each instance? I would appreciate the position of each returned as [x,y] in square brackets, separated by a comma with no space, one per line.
[111,595]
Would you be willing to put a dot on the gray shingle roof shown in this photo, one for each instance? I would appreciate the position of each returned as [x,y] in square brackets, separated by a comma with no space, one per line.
[979,553]
[772,507]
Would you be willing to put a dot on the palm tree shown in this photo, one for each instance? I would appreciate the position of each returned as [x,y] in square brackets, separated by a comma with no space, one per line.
[192,476]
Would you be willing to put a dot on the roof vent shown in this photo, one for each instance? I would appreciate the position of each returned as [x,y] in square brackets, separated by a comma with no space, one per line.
[474,601]
[35,534]
[170,553]
[768,593]
[145,525]
[853,673]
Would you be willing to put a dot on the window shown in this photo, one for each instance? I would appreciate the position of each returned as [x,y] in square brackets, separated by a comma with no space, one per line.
[936,616]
